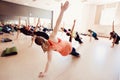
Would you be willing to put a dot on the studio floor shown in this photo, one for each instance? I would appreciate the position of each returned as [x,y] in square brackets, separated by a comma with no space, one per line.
[98,61]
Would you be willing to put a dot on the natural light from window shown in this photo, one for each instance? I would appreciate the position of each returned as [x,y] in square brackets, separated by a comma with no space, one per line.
[107,16]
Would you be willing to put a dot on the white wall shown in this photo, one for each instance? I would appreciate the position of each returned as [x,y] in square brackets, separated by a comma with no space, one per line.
[117,16]
[88,16]
[83,13]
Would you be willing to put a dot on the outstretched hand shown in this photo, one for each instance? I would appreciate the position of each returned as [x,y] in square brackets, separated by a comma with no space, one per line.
[74,21]
[38,20]
[42,74]
[64,6]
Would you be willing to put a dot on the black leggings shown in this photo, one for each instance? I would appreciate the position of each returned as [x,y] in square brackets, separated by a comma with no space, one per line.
[45,30]
[25,32]
[31,33]
[77,38]
[117,41]
[74,53]
[42,34]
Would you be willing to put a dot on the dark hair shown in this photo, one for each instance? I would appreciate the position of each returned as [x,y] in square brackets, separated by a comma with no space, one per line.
[42,42]
[39,40]
[68,34]
[112,33]
[89,30]
[42,34]
[69,29]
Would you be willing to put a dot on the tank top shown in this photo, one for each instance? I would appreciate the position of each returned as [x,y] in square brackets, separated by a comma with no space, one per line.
[63,47]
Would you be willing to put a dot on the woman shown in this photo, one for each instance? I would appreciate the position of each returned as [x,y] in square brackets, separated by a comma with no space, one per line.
[93,34]
[75,35]
[54,43]
[115,37]
[26,30]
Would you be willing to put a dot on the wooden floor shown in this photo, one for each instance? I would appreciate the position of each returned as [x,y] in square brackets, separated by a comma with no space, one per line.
[98,61]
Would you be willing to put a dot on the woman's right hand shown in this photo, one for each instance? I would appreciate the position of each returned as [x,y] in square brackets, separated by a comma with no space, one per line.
[65,6]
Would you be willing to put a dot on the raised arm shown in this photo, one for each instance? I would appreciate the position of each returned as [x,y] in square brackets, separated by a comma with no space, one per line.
[113,26]
[56,28]
[19,23]
[34,36]
[72,31]
[37,24]
[112,30]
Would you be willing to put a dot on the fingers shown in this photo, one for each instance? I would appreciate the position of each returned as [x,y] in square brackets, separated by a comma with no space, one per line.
[66,3]
[65,6]
[74,21]
[38,20]
[42,74]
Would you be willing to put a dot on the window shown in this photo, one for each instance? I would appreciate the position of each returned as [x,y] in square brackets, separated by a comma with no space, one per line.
[107,16]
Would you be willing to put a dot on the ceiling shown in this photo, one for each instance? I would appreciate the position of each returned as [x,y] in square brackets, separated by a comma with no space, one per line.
[50,4]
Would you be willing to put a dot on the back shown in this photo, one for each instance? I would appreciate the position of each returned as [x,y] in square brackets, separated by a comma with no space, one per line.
[63,47]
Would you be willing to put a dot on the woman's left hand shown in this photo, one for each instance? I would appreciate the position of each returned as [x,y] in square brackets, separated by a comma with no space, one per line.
[42,74]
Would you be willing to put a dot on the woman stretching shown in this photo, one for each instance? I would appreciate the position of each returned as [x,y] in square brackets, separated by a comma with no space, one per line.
[54,43]
[93,34]
[114,36]
[26,30]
